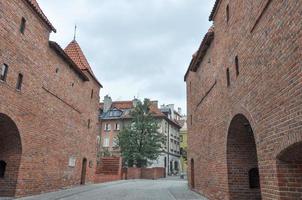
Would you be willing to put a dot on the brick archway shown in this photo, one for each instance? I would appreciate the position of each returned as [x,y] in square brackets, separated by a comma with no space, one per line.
[289,171]
[10,156]
[242,160]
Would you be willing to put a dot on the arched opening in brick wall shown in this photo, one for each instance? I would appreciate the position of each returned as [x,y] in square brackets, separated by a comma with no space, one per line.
[289,169]
[192,174]
[243,172]
[10,156]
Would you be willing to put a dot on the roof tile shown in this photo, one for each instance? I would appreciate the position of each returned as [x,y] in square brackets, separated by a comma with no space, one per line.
[34,4]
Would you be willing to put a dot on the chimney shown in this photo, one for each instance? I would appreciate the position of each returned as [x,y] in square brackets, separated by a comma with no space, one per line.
[171,106]
[155,103]
[134,102]
[179,110]
[107,103]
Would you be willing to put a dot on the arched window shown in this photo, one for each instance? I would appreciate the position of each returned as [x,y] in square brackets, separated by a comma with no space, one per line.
[228,77]
[254,178]
[2,168]
[237,65]
[3,72]
[227,13]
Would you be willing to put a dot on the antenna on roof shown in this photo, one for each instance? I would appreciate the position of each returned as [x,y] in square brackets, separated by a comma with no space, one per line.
[75,32]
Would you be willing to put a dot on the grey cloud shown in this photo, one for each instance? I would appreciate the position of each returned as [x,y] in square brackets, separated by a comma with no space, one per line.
[145,45]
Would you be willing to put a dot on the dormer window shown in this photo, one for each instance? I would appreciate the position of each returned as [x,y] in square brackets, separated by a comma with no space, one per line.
[115,113]
[3,72]
[23,25]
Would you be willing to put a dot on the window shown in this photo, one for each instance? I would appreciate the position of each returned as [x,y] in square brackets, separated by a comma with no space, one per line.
[117,126]
[23,25]
[3,72]
[57,70]
[89,123]
[254,178]
[227,13]
[228,77]
[166,127]
[2,168]
[19,82]
[107,127]
[91,95]
[106,142]
[115,142]
[181,138]
[237,65]
[115,113]
[191,119]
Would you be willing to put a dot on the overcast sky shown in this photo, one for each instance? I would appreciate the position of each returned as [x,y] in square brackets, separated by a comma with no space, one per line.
[135,47]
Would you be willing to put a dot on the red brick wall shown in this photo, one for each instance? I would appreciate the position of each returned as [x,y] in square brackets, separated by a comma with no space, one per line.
[153,173]
[50,112]
[109,169]
[267,92]
[145,173]
[134,173]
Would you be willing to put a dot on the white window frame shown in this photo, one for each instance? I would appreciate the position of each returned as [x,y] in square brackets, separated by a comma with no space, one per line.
[117,126]
[106,142]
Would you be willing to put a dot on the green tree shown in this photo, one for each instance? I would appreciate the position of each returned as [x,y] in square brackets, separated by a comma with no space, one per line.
[140,141]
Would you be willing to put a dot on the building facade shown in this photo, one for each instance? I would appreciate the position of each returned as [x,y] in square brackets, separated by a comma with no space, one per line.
[115,115]
[48,106]
[244,102]
[170,127]
[183,134]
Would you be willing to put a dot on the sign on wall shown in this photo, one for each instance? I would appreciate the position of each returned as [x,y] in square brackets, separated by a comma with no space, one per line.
[72,161]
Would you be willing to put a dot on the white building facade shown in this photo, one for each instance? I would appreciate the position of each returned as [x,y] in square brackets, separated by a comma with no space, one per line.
[170,158]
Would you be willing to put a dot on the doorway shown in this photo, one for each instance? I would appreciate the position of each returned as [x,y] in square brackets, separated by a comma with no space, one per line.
[83,174]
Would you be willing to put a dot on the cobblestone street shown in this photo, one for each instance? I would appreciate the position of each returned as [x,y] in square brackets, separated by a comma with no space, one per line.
[126,190]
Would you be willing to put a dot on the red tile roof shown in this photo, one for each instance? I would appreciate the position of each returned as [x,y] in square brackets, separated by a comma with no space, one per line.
[154,110]
[35,6]
[129,105]
[57,48]
[122,104]
[198,56]
[74,51]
